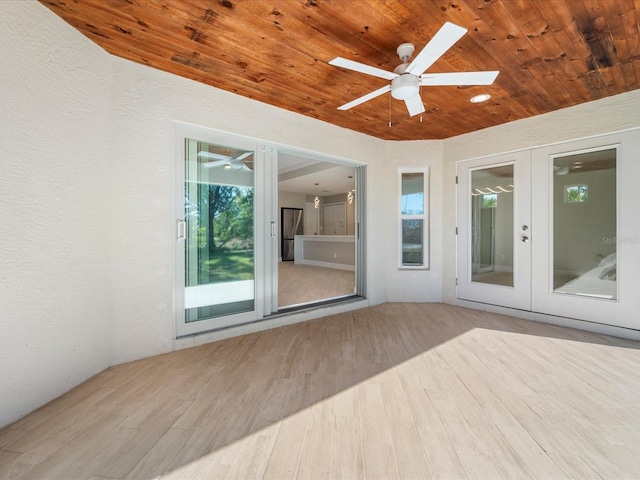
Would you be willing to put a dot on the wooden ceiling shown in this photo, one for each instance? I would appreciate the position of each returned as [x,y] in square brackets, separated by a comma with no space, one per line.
[551,53]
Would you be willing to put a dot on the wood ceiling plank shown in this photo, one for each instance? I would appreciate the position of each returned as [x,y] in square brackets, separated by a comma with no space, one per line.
[551,54]
[594,30]
[623,30]
[517,29]
[204,61]
[555,50]
[166,60]
[481,35]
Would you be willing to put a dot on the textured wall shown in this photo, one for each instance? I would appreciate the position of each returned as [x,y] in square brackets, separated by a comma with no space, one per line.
[412,285]
[146,103]
[54,208]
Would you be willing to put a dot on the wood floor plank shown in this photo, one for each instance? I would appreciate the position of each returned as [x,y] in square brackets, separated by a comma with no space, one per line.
[491,440]
[409,452]
[574,466]
[307,283]
[254,456]
[83,445]
[379,460]
[284,461]
[59,420]
[159,457]
[318,441]
[477,467]
[134,450]
[441,456]
[398,390]
[348,462]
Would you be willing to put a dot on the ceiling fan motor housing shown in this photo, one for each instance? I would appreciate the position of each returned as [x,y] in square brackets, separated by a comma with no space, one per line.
[405,86]
[405,51]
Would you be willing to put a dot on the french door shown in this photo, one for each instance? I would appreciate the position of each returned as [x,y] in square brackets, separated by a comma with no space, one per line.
[554,230]
[494,248]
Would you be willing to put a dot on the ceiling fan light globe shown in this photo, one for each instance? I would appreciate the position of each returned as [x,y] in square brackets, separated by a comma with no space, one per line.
[405,86]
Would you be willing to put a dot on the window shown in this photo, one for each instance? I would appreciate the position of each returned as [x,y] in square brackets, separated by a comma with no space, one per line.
[413,227]
[490,200]
[576,193]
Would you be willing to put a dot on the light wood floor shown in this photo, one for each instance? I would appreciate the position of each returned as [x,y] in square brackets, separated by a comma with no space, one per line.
[395,391]
[308,283]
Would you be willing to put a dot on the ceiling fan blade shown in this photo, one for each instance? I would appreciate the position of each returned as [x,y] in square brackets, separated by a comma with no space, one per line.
[459,78]
[243,156]
[366,97]
[442,41]
[362,68]
[213,156]
[217,163]
[414,105]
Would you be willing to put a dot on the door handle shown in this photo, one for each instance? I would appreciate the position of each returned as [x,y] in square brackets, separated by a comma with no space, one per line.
[181,230]
[524,239]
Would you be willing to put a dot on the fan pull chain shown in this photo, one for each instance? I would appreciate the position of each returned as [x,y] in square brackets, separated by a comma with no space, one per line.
[389,109]
[421,101]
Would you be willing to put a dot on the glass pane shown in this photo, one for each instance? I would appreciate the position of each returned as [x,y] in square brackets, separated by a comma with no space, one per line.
[219,253]
[412,231]
[584,224]
[412,193]
[492,225]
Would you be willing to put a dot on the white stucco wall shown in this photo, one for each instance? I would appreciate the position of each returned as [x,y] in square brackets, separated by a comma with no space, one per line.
[146,102]
[54,208]
[607,115]
[411,285]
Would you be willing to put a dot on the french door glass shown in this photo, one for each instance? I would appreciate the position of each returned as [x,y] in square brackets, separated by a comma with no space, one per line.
[492,225]
[585,224]
[219,240]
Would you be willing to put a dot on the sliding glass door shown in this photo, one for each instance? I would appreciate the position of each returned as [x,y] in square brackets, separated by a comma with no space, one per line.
[219,193]
[232,235]
[317,202]
[216,232]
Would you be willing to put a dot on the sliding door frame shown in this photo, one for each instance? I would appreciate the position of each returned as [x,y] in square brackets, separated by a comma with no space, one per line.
[265,225]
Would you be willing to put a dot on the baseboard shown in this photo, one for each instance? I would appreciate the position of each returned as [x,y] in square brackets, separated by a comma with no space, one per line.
[578,324]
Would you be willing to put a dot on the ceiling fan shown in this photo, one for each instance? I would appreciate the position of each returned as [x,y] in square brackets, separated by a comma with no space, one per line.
[407,78]
[235,163]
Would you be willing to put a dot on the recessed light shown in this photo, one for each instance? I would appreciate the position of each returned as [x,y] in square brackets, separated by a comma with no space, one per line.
[483,97]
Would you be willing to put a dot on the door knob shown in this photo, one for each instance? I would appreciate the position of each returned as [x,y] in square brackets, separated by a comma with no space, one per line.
[524,239]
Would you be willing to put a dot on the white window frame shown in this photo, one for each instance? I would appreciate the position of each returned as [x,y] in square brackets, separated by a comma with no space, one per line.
[424,217]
